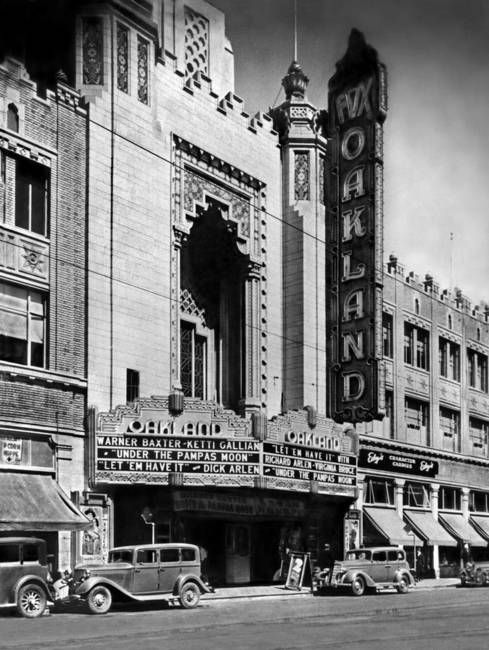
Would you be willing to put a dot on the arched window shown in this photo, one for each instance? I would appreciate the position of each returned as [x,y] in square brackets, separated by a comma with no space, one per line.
[450,322]
[478,333]
[416,306]
[13,118]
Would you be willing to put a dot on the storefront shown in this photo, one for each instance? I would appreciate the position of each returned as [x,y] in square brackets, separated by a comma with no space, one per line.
[32,503]
[426,503]
[246,490]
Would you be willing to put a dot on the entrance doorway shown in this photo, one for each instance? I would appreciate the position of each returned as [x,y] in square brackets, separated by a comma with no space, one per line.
[237,553]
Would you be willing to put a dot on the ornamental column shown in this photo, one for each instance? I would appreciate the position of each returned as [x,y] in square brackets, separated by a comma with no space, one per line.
[434,509]
[399,495]
[255,337]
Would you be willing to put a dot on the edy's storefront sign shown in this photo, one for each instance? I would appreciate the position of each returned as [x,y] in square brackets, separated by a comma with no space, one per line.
[151,445]
[398,463]
[357,109]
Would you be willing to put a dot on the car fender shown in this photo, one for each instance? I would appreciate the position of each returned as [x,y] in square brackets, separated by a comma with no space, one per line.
[30,578]
[87,585]
[350,576]
[404,572]
[190,577]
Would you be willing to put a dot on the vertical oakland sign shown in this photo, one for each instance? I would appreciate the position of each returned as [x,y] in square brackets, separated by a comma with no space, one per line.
[357,106]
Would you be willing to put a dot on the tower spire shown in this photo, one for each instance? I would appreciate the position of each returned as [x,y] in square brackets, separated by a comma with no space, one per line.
[295,30]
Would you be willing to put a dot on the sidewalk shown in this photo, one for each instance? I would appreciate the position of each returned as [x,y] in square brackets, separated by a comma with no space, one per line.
[279,591]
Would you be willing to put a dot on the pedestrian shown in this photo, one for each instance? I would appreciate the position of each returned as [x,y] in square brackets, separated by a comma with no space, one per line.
[326,564]
[466,554]
[203,564]
[419,565]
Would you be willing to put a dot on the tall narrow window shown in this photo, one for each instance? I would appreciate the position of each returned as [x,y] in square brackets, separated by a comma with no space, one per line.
[22,325]
[449,355]
[132,385]
[193,352]
[477,369]
[387,335]
[196,43]
[31,196]
[13,118]
[478,436]
[416,346]
[450,428]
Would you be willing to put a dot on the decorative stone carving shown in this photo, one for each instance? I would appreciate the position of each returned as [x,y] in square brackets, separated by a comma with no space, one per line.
[321,172]
[122,58]
[93,51]
[196,43]
[301,176]
[143,51]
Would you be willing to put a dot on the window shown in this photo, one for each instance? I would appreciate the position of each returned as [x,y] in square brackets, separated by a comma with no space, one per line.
[120,556]
[9,553]
[379,556]
[450,428]
[416,414]
[478,501]
[146,556]
[416,495]
[22,326]
[170,555]
[13,118]
[188,555]
[416,346]
[477,368]
[132,385]
[449,499]
[478,433]
[387,336]
[30,553]
[193,353]
[416,305]
[389,414]
[31,196]
[379,491]
[449,355]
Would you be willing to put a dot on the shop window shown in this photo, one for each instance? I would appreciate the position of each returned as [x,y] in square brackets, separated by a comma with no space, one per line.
[387,335]
[478,501]
[22,325]
[450,429]
[478,434]
[132,385]
[379,491]
[193,353]
[416,414]
[13,118]
[416,495]
[449,498]
[31,196]
[449,355]
[477,369]
[416,346]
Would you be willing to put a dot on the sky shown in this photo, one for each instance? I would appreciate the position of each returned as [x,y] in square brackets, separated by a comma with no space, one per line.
[436,136]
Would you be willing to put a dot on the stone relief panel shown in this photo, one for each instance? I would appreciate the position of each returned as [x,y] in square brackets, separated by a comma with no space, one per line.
[93,51]
[24,256]
[417,382]
[301,175]
[478,403]
[449,392]
[196,43]
[122,58]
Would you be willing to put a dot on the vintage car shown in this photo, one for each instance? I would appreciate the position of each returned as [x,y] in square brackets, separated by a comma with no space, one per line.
[373,568]
[475,574]
[25,581]
[142,573]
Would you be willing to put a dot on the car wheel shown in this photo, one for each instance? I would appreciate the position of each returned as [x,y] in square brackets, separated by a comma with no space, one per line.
[403,585]
[358,586]
[31,600]
[189,595]
[99,600]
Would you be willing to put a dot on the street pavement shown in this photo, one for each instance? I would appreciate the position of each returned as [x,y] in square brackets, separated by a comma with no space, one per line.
[450,618]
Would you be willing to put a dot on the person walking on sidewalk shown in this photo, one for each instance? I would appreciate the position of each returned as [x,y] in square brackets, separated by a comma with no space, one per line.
[419,565]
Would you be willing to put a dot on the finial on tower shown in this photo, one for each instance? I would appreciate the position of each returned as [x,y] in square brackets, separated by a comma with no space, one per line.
[295,82]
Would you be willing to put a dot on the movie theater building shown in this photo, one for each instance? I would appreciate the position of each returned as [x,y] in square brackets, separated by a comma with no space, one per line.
[424,471]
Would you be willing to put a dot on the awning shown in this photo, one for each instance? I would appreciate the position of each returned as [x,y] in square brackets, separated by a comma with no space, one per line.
[391,526]
[458,527]
[36,502]
[481,524]
[427,527]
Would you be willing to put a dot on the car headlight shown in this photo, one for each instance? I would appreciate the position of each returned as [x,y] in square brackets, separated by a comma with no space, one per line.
[85,574]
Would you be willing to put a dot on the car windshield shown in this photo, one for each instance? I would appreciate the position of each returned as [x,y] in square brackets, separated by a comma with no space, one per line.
[358,555]
[120,556]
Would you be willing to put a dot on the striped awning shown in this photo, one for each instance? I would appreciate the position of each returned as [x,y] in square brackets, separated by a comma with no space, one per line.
[391,526]
[461,529]
[429,528]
